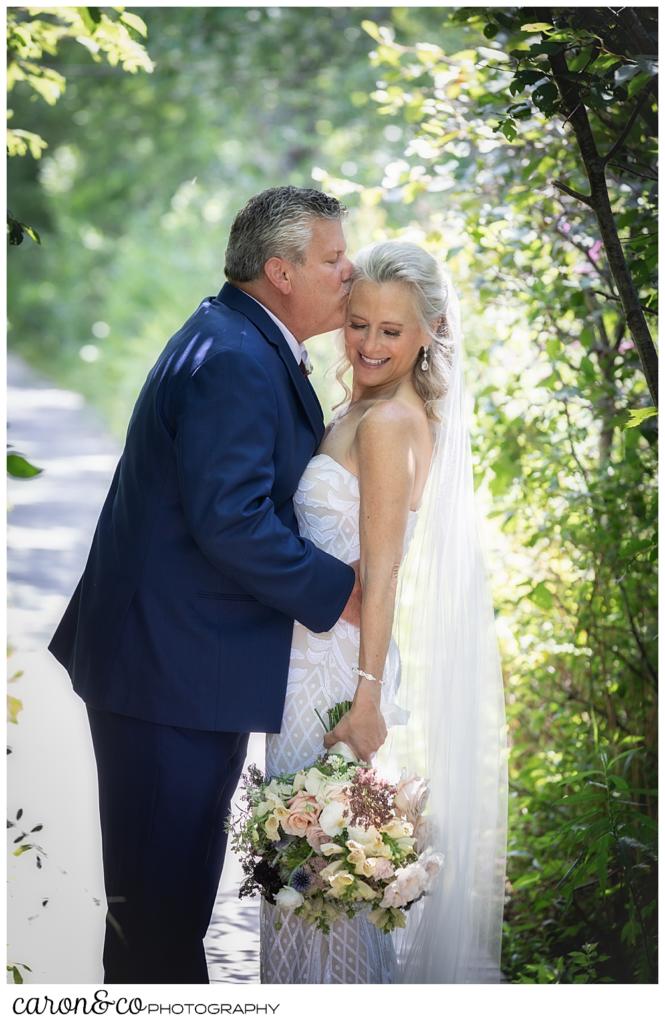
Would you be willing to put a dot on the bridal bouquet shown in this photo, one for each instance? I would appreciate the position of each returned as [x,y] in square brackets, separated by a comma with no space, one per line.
[334,838]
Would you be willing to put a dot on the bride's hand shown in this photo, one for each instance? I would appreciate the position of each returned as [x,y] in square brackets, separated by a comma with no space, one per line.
[362,728]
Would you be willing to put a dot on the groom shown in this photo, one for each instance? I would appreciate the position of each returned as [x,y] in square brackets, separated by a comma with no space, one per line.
[178,634]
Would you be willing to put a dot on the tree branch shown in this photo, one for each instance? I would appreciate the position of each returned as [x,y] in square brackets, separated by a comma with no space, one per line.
[587,200]
[644,95]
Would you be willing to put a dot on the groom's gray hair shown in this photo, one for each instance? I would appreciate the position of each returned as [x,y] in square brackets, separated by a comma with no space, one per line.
[276,222]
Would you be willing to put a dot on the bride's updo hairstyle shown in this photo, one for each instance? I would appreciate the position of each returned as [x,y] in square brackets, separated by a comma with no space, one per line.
[408,263]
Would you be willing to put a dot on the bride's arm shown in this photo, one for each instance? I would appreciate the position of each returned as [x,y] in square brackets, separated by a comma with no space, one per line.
[386,461]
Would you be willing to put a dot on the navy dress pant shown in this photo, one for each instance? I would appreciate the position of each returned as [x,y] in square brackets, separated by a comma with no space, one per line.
[164,793]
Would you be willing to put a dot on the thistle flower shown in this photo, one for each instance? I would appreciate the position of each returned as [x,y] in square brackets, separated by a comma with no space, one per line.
[301,879]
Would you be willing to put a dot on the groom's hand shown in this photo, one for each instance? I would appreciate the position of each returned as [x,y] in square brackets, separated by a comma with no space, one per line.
[351,611]
[362,728]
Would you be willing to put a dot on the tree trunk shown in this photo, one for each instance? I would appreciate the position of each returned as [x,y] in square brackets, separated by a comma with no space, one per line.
[599,201]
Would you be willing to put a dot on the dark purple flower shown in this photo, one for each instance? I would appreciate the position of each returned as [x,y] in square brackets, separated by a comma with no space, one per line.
[301,879]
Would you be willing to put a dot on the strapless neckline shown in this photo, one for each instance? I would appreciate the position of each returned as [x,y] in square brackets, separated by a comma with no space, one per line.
[324,455]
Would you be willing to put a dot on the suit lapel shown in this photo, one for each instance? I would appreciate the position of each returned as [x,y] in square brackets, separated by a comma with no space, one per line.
[245,304]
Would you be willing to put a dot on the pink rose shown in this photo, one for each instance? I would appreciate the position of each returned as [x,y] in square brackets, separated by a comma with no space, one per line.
[303,813]
[411,797]
[315,836]
[422,833]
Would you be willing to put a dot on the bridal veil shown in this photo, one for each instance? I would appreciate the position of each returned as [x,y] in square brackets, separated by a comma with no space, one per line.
[452,684]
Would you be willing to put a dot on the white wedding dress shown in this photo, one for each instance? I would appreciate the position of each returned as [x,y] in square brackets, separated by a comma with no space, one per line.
[320,674]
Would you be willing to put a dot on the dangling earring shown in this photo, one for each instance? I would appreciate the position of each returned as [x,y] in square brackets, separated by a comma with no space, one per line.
[424,365]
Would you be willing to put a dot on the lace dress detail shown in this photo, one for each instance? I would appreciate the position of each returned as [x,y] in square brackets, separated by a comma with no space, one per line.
[320,674]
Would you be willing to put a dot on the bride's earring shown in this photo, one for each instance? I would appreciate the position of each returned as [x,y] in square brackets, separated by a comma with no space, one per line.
[424,365]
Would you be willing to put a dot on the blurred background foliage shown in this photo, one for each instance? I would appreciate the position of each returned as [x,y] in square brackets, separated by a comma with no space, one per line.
[518,144]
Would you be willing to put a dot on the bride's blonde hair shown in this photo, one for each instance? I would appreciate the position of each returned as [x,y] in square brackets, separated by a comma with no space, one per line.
[406,262]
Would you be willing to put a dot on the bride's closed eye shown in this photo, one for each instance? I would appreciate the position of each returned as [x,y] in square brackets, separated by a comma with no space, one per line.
[386,331]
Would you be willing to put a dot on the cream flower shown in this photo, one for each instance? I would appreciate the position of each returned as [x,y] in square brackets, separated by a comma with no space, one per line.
[364,891]
[397,828]
[331,869]
[386,920]
[288,898]
[370,839]
[274,805]
[380,867]
[299,781]
[271,826]
[340,882]
[333,817]
[358,858]
[329,848]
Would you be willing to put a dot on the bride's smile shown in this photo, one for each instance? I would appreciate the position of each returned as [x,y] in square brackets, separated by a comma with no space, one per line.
[383,336]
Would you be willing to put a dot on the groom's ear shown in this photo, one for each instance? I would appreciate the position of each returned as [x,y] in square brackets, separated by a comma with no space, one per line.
[278,272]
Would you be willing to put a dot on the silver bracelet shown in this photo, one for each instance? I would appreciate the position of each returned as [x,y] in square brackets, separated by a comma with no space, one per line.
[366,675]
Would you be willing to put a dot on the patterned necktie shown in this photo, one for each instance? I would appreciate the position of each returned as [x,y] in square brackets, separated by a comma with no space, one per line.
[302,368]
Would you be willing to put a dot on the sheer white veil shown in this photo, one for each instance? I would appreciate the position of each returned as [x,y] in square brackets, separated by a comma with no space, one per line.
[451,682]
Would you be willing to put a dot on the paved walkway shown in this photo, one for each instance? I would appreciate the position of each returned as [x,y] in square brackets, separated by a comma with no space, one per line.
[56,912]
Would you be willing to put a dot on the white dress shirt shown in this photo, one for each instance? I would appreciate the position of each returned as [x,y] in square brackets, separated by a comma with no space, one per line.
[300,353]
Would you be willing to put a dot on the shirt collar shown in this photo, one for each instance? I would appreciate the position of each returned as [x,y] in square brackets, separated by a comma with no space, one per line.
[299,350]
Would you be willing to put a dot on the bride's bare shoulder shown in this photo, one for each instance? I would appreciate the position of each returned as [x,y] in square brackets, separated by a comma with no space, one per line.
[387,412]
[391,418]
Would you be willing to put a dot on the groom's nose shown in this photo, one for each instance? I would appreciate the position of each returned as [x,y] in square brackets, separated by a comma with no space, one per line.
[347,271]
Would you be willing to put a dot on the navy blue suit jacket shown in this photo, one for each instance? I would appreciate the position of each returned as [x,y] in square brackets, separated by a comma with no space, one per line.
[185,610]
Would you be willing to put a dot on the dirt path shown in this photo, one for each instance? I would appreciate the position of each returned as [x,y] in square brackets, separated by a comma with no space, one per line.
[56,912]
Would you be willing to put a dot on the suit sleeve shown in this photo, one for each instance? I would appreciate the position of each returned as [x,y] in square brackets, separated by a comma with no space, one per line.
[224,448]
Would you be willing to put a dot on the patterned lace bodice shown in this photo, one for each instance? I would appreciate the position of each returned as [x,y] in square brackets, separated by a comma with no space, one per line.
[327,506]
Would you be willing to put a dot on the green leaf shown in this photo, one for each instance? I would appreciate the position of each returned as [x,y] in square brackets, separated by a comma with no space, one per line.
[638,416]
[19,467]
[536,26]
[541,596]
[372,29]
[91,17]
[638,82]
[133,20]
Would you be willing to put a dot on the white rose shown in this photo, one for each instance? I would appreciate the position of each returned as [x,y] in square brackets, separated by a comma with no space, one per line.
[288,898]
[299,781]
[344,750]
[432,864]
[314,780]
[408,884]
[333,817]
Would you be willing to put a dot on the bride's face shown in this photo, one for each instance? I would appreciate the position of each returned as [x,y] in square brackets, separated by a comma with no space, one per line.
[383,336]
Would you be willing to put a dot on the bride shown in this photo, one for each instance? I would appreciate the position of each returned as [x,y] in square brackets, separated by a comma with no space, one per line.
[392,486]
